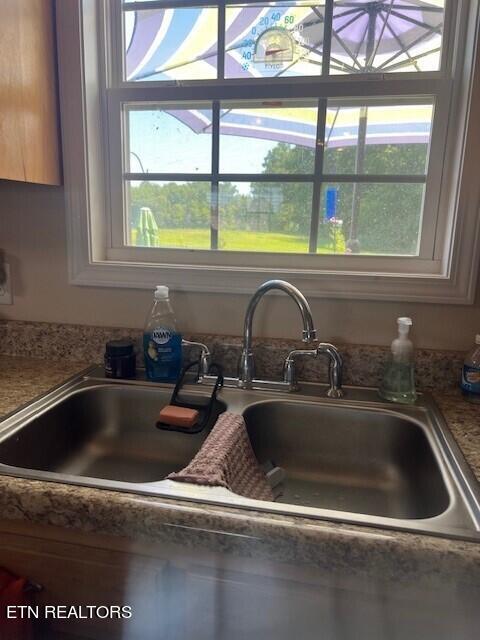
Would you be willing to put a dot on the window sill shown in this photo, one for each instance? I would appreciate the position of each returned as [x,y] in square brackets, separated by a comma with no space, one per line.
[214,279]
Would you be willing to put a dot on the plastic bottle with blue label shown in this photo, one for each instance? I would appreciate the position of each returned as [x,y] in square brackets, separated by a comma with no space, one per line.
[471,373]
[162,342]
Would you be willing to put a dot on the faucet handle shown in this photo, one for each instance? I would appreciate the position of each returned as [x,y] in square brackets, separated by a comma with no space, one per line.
[289,366]
[205,355]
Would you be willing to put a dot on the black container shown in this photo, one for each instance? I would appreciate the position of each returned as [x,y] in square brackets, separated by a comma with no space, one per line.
[120,359]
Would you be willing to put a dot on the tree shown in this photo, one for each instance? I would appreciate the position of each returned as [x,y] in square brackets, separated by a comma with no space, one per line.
[174,205]
[389,214]
[288,204]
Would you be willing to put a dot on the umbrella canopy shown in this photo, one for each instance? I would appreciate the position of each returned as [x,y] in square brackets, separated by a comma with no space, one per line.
[408,124]
[366,36]
[389,35]
[379,35]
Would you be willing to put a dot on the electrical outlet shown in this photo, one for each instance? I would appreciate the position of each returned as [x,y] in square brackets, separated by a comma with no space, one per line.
[6,296]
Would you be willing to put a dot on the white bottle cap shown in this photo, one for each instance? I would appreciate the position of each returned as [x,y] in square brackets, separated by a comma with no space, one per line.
[477,338]
[402,347]
[161,292]
[404,325]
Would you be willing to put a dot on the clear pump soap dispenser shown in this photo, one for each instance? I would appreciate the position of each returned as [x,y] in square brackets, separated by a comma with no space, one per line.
[398,384]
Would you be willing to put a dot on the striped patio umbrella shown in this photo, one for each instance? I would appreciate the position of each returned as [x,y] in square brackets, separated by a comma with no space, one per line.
[408,124]
[379,35]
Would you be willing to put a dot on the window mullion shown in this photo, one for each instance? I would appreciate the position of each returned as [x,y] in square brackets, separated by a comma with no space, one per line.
[214,213]
[275,90]
[164,4]
[221,43]
[321,122]
[327,37]
[386,178]
[266,177]
[318,179]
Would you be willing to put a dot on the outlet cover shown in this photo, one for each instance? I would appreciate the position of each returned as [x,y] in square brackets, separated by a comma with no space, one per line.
[6,296]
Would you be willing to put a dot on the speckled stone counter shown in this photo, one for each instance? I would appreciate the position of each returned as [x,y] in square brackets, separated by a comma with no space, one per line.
[347,549]
[22,379]
[463,419]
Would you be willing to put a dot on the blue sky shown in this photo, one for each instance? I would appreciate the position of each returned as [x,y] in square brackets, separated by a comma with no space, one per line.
[164,144]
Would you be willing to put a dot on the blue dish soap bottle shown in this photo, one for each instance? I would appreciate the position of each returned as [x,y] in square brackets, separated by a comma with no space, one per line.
[162,342]
[398,384]
[471,373]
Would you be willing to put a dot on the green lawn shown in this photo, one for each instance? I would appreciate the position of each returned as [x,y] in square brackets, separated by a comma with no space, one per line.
[231,240]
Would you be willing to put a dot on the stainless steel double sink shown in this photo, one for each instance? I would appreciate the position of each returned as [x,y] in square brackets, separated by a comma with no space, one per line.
[354,460]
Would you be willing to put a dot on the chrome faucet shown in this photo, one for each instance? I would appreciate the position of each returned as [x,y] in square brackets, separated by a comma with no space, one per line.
[335,367]
[246,367]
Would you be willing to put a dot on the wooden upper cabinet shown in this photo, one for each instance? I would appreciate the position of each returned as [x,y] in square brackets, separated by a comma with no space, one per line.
[29,118]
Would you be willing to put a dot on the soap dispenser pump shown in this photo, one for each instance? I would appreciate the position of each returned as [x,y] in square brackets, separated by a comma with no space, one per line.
[398,384]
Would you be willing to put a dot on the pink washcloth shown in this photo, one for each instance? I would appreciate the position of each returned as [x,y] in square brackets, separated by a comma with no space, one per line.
[226,459]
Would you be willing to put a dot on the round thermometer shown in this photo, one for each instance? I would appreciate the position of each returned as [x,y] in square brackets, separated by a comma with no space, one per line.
[275,42]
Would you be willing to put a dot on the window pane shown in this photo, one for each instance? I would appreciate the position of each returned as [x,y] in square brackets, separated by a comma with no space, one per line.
[169,141]
[274,39]
[283,39]
[169,214]
[264,216]
[170,44]
[267,140]
[377,139]
[386,36]
[374,218]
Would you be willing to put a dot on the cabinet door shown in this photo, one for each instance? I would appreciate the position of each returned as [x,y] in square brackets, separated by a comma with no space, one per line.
[284,603]
[179,592]
[29,127]
[75,575]
[236,606]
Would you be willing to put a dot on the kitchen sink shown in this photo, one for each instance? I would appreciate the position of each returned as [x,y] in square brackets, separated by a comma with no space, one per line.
[355,459]
[349,460]
[102,431]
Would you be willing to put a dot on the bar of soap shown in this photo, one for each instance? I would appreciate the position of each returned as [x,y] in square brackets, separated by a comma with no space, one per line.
[178,416]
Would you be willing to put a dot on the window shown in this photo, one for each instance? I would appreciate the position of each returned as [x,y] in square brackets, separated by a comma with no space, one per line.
[299,137]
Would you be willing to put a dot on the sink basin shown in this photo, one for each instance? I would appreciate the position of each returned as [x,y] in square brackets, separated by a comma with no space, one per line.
[349,460]
[354,460]
[103,432]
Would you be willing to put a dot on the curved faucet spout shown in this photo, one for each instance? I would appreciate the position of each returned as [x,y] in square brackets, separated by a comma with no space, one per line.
[335,369]
[309,334]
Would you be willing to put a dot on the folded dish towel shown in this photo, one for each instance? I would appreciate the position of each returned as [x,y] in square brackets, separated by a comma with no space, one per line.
[226,459]
[13,592]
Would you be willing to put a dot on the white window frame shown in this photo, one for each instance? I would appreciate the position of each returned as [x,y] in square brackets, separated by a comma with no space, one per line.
[446,270]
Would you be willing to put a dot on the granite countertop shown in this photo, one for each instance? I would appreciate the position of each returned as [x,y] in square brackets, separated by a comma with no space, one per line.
[350,549]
